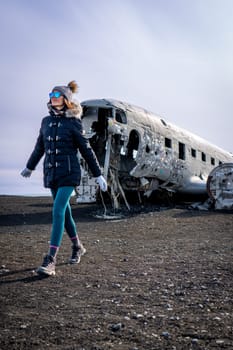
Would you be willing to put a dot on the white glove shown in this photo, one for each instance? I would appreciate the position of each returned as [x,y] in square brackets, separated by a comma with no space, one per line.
[102,183]
[26,172]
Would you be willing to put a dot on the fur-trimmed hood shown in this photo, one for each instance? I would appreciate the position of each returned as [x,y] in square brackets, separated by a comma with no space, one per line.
[74,112]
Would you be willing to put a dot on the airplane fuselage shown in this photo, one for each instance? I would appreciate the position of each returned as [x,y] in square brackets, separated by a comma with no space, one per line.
[140,151]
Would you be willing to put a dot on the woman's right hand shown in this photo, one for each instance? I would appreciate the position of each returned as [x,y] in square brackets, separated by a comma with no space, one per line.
[26,172]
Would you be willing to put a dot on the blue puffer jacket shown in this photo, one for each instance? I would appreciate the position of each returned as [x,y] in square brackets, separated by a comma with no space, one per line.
[59,139]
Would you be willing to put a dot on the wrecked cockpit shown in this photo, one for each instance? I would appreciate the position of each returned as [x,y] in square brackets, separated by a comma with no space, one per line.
[115,148]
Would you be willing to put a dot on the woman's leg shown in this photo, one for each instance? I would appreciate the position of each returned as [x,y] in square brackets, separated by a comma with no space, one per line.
[71,227]
[69,223]
[61,201]
[62,217]
[77,248]
[61,198]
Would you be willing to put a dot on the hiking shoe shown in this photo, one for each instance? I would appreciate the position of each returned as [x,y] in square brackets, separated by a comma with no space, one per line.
[48,266]
[77,252]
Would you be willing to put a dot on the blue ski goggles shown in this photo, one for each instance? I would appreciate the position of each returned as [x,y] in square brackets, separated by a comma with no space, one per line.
[55,94]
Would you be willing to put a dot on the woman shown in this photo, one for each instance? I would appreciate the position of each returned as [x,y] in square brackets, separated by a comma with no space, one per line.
[60,137]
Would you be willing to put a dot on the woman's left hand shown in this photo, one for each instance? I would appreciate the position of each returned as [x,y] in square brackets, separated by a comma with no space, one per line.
[102,183]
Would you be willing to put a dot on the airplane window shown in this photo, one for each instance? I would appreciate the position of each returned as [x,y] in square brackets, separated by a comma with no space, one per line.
[168,143]
[89,111]
[203,156]
[212,161]
[163,122]
[193,152]
[104,113]
[181,150]
[121,117]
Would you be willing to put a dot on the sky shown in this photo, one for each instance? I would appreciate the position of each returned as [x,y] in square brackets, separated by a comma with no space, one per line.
[171,57]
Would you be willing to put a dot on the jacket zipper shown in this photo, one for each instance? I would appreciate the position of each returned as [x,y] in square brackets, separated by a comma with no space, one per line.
[69,166]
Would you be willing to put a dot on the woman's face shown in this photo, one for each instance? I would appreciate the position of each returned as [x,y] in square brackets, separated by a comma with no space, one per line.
[57,101]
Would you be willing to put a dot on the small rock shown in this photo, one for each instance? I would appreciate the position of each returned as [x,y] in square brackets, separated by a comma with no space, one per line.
[117,327]
[194,341]
[137,316]
[23,326]
[166,335]
[217,318]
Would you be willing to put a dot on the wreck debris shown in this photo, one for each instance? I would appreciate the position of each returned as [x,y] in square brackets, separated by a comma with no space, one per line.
[141,153]
[220,186]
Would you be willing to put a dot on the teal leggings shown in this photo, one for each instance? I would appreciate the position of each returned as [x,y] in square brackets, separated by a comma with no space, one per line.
[62,216]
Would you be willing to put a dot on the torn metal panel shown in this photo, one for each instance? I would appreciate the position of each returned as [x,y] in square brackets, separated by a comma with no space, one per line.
[141,152]
[207,205]
[87,191]
[220,186]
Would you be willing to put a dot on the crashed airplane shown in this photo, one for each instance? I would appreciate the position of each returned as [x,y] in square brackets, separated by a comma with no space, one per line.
[140,152]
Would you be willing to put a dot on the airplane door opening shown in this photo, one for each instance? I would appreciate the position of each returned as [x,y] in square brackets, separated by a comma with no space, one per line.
[128,158]
[99,128]
[95,121]
[133,144]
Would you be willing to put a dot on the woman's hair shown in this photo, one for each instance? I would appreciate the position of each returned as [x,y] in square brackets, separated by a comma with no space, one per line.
[74,89]
[73,86]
